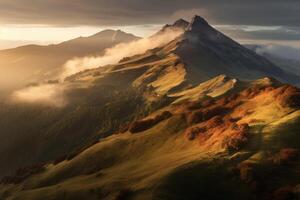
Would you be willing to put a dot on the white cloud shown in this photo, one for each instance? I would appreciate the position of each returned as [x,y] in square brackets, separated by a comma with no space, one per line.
[116,53]
[282,51]
[48,94]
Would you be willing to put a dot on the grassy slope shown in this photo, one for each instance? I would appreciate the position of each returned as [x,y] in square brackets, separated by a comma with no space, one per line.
[160,163]
[99,101]
[96,108]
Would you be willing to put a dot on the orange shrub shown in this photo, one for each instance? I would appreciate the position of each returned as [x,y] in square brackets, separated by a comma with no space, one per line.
[214,122]
[194,117]
[207,103]
[251,92]
[215,111]
[193,132]
[142,125]
[239,136]
[124,127]
[288,96]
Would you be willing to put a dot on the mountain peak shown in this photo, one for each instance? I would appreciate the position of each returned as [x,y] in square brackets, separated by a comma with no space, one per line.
[197,22]
[181,23]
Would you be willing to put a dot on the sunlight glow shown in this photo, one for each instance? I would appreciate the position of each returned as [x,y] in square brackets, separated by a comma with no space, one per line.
[15,35]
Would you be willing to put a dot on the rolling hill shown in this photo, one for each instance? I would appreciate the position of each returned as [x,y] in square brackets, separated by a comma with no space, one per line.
[201,117]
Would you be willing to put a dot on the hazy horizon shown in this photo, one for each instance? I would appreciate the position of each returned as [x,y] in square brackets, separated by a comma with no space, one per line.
[53,22]
[69,33]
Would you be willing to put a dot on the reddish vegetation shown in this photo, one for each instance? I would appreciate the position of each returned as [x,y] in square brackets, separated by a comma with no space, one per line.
[252,91]
[193,132]
[285,156]
[256,121]
[212,118]
[288,95]
[205,114]
[22,174]
[194,117]
[214,121]
[229,101]
[239,135]
[124,127]
[207,103]
[213,125]
[199,104]
[142,125]
[224,130]
[200,112]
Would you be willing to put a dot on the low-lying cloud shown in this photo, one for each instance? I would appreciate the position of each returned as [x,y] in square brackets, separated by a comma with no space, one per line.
[287,52]
[54,94]
[116,53]
[47,94]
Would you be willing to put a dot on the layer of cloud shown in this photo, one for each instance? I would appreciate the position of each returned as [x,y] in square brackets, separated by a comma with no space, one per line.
[281,51]
[54,94]
[133,12]
[47,94]
[261,32]
[116,53]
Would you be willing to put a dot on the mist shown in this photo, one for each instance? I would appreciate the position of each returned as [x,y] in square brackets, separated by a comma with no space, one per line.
[115,54]
[287,52]
[46,94]
[54,94]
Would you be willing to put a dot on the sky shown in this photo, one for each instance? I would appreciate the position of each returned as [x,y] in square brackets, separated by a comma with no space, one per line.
[53,21]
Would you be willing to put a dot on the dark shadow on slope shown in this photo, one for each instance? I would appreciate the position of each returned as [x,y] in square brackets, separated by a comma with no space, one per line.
[202,181]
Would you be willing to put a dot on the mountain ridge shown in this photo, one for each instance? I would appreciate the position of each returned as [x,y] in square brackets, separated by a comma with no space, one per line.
[201,38]
[36,63]
[171,123]
[98,34]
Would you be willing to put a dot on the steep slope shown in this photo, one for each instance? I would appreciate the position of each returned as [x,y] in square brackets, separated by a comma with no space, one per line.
[103,98]
[228,143]
[208,53]
[33,63]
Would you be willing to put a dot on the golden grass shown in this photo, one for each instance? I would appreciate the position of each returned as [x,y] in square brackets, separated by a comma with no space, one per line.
[138,162]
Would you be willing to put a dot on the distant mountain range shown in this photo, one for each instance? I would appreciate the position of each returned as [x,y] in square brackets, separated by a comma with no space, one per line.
[34,63]
[290,64]
[201,117]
